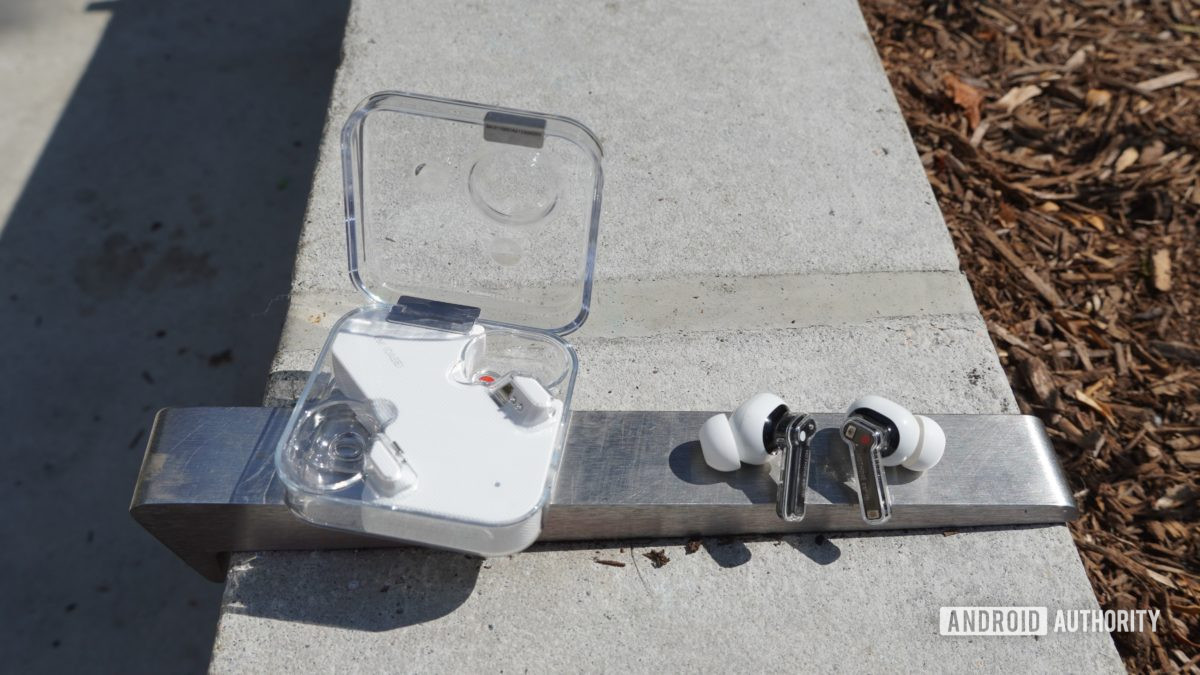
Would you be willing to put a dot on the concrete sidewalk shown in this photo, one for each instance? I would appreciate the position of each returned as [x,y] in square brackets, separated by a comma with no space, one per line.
[767,227]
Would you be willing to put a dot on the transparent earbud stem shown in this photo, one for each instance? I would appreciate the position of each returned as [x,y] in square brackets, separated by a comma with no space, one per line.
[792,446]
[865,441]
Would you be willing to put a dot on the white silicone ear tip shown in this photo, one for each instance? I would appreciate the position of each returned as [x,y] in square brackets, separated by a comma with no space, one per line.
[749,424]
[906,424]
[931,448]
[718,445]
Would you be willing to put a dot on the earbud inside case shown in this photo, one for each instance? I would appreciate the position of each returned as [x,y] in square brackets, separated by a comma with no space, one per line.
[437,413]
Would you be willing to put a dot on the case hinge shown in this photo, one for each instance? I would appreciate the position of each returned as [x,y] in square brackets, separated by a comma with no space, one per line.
[433,314]
[500,127]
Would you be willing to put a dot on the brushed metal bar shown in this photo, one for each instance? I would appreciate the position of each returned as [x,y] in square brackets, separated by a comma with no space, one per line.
[207,486]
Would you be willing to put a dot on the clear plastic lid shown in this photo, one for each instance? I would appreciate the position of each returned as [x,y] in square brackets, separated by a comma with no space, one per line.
[474,205]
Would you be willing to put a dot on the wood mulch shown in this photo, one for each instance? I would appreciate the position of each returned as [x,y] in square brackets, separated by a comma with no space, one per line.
[1062,140]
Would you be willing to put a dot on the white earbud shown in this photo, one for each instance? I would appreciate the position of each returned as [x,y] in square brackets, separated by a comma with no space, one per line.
[727,441]
[930,448]
[882,433]
[918,443]
[759,430]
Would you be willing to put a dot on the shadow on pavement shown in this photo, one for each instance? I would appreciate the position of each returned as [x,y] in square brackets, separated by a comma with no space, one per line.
[371,590]
[145,264]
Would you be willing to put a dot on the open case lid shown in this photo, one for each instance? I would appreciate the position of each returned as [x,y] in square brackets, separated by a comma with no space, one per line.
[474,205]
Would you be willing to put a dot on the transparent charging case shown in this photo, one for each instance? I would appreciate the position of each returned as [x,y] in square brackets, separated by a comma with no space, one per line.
[436,414]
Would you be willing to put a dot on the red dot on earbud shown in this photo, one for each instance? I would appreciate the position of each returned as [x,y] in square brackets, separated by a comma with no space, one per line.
[864,439]
[487,378]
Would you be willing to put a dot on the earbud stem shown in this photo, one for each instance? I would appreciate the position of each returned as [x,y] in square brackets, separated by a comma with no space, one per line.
[866,440]
[793,438]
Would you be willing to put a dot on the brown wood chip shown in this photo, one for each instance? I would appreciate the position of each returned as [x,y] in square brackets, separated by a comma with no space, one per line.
[1041,285]
[1038,377]
[966,96]
[1177,351]
[1168,80]
[1189,458]
[1161,265]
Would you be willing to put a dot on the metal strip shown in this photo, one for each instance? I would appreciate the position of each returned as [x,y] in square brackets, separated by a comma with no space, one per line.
[207,485]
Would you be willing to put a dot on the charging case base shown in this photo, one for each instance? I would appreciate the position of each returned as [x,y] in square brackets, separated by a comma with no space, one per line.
[400,432]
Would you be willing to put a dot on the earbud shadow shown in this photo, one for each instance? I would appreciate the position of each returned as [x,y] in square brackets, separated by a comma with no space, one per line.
[899,475]
[727,553]
[830,473]
[687,463]
[819,548]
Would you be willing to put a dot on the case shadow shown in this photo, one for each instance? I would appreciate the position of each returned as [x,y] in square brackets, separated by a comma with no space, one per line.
[362,589]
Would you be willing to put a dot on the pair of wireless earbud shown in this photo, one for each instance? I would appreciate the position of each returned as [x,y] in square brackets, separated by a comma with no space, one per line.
[878,433]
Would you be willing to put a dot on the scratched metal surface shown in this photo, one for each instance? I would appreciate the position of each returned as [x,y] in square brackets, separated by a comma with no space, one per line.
[639,474]
[208,487]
